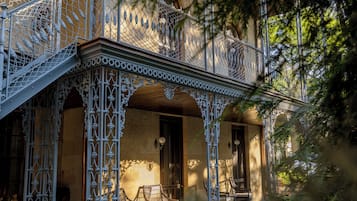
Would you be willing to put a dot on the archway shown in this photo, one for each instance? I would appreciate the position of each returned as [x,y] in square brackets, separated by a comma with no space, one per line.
[71,150]
[286,138]
[241,152]
[152,115]
[282,144]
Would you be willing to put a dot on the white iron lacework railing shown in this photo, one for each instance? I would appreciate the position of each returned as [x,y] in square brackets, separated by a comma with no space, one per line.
[34,32]
[156,31]
[14,3]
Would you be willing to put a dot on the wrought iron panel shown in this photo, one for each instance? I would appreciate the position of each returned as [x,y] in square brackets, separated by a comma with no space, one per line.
[80,82]
[169,90]
[38,36]
[236,59]
[21,78]
[129,83]
[219,104]
[41,123]
[269,120]
[72,21]
[97,18]
[14,3]
[27,36]
[110,19]
[155,28]
[109,93]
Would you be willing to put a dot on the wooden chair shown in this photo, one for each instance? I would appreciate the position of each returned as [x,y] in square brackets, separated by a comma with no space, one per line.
[238,195]
[229,192]
[152,193]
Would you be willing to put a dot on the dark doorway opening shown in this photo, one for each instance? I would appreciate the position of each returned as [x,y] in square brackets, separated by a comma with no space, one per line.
[239,159]
[171,156]
[12,157]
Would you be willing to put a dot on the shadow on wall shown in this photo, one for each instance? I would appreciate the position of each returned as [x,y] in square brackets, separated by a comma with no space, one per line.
[195,194]
[63,194]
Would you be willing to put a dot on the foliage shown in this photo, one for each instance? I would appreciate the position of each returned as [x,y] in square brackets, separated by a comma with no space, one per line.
[325,166]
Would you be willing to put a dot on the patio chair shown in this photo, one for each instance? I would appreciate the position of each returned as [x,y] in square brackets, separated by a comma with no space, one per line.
[151,193]
[123,196]
[238,195]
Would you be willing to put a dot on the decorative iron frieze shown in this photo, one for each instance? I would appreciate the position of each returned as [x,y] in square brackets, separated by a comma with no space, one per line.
[159,74]
[129,83]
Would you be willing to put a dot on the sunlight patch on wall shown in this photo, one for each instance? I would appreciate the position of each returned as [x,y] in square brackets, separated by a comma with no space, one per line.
[193,163]
[135,173]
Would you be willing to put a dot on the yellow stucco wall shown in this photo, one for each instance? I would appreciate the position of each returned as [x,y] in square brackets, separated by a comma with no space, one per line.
[194,158]
[71,156]
[225,154]
[140,159]
[255,161]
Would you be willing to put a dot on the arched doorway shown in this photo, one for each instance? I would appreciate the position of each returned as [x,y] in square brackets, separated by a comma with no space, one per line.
[241,152]
[71,150]
[155,145]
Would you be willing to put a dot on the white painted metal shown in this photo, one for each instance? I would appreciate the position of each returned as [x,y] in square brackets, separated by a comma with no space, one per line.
[3,16]
[36,36]
[38,47]
[41,128]
[157,31]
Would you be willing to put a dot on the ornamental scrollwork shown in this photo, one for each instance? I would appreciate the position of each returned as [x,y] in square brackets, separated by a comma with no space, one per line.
[169,90]
[159,74]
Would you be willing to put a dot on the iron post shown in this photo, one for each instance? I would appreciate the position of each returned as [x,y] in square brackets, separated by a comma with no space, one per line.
[300,51]
[265,39]
[3,16]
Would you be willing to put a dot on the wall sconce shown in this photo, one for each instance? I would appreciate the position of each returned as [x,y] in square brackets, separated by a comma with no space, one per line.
[236,142]
[160,142]
[150,165]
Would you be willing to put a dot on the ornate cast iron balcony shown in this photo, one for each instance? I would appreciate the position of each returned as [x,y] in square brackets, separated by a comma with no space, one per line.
[35,30]
[157,31]
[34,33]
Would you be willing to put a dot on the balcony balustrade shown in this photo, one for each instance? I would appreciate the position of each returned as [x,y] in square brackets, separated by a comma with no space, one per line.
[32,32]
[158,31]
[35,30]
